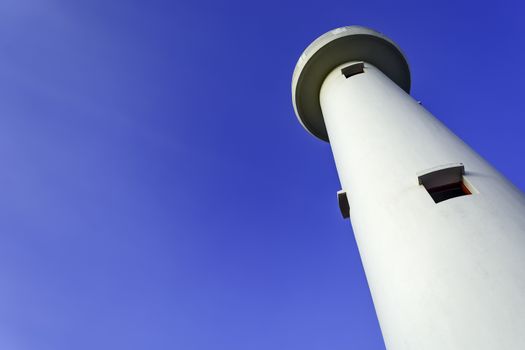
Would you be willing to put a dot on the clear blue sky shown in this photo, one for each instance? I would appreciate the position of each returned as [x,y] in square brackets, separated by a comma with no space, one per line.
[157,191]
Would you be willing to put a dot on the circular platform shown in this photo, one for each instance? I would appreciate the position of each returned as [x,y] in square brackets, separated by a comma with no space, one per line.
[341,45]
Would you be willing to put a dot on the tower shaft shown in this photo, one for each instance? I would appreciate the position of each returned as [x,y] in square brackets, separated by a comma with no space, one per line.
[440,232]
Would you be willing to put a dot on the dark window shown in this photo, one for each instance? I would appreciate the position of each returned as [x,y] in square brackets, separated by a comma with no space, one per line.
[443,193]
[445,182]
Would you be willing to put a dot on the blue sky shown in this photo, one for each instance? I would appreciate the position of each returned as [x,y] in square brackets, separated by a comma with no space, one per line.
[157,191]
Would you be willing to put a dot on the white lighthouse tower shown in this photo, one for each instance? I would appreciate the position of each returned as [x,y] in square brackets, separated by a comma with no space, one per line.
[441,233]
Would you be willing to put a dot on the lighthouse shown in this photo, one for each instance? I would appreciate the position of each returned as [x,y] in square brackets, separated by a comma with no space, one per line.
[441,233]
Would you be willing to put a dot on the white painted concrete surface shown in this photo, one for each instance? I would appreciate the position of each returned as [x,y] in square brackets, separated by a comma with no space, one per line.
[443,276]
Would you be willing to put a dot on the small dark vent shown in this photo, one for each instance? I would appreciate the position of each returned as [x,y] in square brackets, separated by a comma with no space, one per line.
[344,205]
[354,69]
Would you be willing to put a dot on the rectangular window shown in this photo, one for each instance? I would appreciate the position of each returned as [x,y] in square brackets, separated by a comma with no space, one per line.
[443,193]
[445,182]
